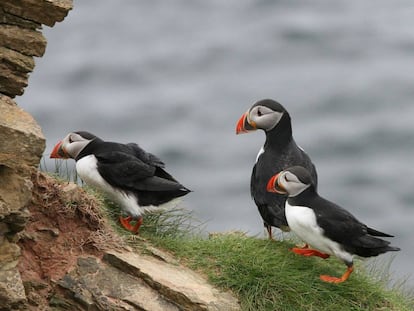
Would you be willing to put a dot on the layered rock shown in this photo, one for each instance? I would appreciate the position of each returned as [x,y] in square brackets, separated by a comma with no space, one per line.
[130,281]
[22,142]
[20,38]
[22,145]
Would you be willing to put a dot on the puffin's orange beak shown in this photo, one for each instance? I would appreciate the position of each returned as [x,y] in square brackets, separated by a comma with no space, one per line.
[244,126]
[58,152]
[274,186]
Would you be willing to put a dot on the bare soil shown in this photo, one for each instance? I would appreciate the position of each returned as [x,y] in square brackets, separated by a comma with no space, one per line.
[65,223]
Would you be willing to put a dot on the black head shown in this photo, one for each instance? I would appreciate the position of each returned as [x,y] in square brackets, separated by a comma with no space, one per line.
[86,135]
[271,104]
[266,115]
[301,173]
[291,181]
[72,145]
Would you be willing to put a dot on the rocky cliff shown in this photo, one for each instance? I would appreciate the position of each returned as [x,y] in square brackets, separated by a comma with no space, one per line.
[57,251]
[21,39]
[73,260]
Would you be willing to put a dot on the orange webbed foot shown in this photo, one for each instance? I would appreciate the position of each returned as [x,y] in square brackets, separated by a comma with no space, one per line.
[126,223]
[335,280]
[308,252]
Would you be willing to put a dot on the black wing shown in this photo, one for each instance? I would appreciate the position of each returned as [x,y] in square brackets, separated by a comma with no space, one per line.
[339,224]
[144,156]
[127,171]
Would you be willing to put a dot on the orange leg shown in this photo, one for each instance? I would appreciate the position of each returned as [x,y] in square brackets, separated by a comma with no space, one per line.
[269,231]
[332,279]
[126,223]
[309,252]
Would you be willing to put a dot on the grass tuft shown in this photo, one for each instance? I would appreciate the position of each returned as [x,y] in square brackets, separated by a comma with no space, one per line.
[267,276]
[61,170]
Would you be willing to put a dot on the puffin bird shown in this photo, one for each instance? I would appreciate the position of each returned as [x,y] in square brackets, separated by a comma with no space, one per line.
[325,226]
[280,151]
[131,177]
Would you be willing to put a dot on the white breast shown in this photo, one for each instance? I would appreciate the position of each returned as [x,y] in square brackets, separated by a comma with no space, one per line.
[87,169]
[302,221]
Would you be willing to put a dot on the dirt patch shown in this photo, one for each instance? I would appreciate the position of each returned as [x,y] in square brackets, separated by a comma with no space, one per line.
[65,223]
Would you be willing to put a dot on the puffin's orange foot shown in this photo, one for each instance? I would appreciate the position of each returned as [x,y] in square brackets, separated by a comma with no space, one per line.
[332,279]
[308,252]
[126,223]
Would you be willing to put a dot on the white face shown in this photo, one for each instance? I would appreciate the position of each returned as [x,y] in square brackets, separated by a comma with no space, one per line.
[264,118]
[289,182]
[73,144]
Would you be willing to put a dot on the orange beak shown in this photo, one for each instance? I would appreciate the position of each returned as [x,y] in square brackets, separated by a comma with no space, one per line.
[58,152]
[244,126]
[274,186]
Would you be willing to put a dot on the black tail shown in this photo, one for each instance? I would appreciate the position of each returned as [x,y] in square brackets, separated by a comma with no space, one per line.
[368,246]
[378,233]
[156,198]
[370,252]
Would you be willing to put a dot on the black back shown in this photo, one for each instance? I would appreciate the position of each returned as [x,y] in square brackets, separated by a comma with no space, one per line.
[280,152]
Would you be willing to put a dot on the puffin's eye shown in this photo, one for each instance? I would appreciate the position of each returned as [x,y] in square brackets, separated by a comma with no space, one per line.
[70,140]
[289,178]
[259,112]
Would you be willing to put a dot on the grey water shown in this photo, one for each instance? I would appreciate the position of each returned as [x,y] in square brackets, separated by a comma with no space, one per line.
[175,76]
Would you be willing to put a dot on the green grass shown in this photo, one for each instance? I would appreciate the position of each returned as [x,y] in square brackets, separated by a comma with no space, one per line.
[267,276]
[264,274]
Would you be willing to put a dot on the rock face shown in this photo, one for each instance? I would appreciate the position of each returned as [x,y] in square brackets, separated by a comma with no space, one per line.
[176,283]
[20,38]
[22,142]
[140,282]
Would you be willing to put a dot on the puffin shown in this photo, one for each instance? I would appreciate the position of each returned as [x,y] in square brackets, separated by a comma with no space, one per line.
[134,179]
[325,226]
[279,152]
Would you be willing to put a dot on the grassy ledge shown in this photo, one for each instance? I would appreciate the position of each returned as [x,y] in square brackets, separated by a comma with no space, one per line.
[264,274]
